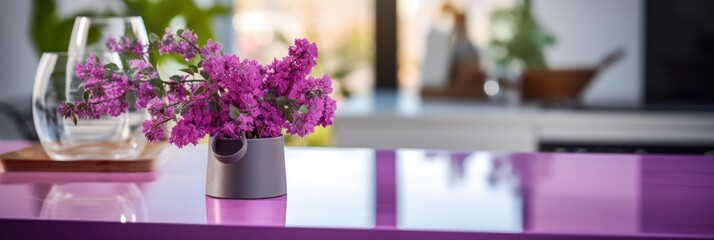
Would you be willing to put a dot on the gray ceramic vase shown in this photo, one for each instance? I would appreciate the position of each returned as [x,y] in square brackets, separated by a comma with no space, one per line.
[250,169]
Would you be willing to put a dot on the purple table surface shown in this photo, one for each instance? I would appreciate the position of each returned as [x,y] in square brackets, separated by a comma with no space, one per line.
[353,193]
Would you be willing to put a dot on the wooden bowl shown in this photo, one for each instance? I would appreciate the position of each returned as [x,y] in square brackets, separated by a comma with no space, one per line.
[555,85]
[563,85]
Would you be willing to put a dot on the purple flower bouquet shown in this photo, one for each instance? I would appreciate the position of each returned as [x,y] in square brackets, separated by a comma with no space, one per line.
[222,95]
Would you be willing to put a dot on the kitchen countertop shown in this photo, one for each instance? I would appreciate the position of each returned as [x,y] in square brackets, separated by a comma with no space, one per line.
[362,193]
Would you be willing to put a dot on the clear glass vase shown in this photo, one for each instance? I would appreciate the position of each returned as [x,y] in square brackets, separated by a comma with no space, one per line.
[105,138]
[89,34]
[55,82]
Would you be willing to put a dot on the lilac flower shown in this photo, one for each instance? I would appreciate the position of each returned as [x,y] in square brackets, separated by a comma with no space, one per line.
[222,69]
[160,110]
[292,69]
[106,93]
[328,112]
[65,110]
[211,49]
[92,72]
[288,77]
[196,123]
[184,133]
[229,130]
[142,69]
[166,45]
[185,44]
[153,132]
[245,123]
[144,93]
[324,84]
[189,36]
[110,107]
[124,45]
[177,93]
[233,97]
[304,54]
[270,122]
[86,111]
[241,81]
[116,87]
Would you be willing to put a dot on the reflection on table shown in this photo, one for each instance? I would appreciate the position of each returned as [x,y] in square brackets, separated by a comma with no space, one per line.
[122,202]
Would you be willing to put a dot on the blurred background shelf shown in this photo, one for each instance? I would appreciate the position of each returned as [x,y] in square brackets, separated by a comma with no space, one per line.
[405,120]
[657,98]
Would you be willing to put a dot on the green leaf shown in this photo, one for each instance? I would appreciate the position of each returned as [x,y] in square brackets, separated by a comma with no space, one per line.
[270,96]
[159,92]
[214,106]
[204,74]
[198,91]
[187,70]
[130,98]
[179,32]
[193,68]
[111,66]
[157,83]
[288,114]
[282,100]
[176,78]
[74,119]
[69,104]
[85,96]
[303,109]
[234,112]
[200,63]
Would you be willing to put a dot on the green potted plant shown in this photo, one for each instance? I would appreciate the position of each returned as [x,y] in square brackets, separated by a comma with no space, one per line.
[518,38]
[518,44]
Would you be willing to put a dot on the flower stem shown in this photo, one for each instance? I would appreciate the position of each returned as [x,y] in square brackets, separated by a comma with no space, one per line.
[198,50]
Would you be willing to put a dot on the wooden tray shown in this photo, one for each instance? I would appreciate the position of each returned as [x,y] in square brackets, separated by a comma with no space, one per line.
[34,159]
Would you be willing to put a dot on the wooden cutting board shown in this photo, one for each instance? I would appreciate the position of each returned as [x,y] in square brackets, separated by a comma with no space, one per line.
[34,159]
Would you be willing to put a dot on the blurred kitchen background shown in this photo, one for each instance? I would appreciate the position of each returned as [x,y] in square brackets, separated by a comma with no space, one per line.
[503,75]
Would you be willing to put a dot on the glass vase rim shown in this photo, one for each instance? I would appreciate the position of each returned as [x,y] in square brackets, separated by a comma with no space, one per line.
[103,19]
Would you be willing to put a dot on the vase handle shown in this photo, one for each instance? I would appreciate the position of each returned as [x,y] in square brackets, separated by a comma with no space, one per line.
[228,150]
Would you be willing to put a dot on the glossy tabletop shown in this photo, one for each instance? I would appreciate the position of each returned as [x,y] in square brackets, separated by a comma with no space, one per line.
[378,194]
